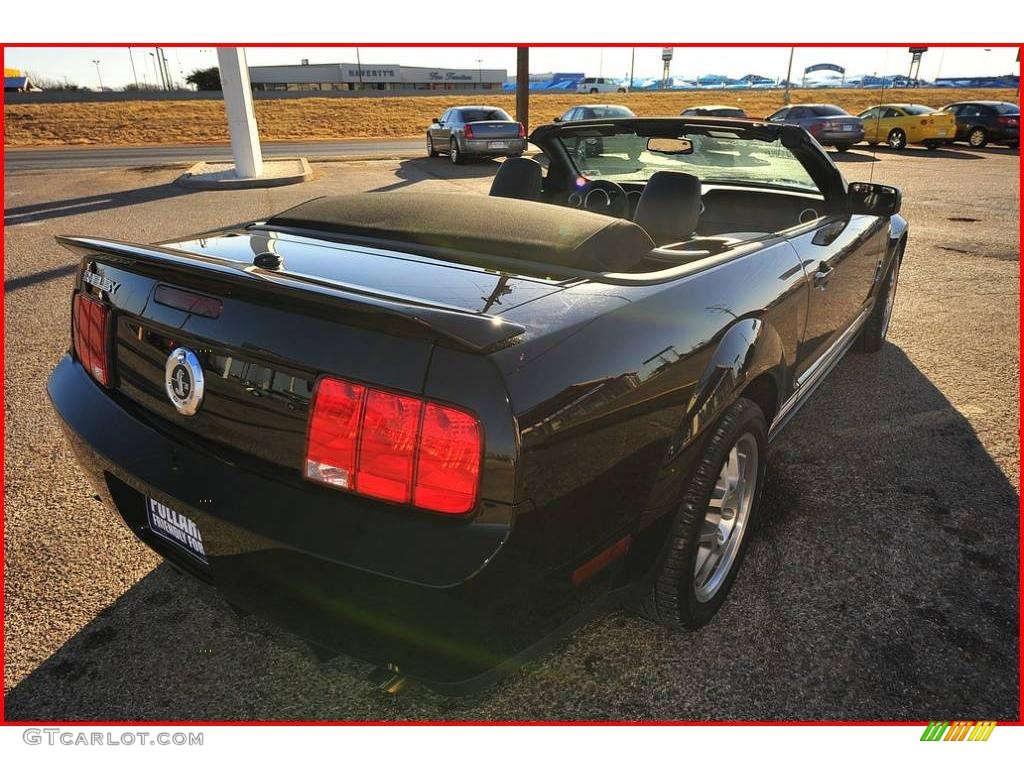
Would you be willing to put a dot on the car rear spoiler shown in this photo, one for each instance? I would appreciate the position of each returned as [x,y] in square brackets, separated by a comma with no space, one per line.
[475,331]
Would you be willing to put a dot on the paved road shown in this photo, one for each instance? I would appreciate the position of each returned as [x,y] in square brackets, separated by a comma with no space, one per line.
[881,584]
[54,158]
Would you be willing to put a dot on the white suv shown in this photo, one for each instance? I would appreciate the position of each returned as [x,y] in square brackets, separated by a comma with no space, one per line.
[599,85]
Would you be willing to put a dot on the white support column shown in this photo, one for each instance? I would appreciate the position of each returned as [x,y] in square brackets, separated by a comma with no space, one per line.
[245,140]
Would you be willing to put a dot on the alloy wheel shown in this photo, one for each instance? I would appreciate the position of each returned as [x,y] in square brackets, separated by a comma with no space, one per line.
[977,138]
[726,517]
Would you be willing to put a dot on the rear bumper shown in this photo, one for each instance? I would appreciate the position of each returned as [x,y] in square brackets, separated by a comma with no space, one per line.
[923,133]
[444,600]
[833,138]
[1005,135]
[482,147]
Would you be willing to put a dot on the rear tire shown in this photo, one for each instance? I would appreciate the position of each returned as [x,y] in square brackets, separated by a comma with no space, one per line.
[932,145]
[454,154]
[977,138]
[593,90]
[431,152]
[692,583]
[843,147]
[897,139]
[872,335]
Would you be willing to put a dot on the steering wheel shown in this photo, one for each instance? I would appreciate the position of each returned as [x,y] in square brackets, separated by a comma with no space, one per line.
[601,196]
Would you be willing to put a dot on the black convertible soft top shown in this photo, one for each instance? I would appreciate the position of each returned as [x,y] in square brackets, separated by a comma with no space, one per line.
[497,226]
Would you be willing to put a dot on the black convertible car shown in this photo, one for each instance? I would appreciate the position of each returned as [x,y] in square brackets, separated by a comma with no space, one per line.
[436,430]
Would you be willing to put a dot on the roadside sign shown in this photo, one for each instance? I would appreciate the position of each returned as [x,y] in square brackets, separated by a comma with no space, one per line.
[666,54]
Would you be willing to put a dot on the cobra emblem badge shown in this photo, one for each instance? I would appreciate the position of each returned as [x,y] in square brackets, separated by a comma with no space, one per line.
[183,380]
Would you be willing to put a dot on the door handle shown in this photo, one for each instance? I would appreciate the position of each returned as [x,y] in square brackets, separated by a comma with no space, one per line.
[823,275]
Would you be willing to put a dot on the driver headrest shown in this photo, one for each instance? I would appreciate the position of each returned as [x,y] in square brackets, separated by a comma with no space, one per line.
[518,178]
[669,207]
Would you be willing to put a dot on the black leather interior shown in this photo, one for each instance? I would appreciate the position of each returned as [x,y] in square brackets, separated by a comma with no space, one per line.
[518,178]
[670,206]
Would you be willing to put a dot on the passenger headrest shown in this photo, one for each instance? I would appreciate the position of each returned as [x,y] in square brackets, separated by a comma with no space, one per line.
[669,207]
[518,178]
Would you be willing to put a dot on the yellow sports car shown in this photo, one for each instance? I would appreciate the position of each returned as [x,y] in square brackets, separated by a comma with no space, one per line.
[900,124]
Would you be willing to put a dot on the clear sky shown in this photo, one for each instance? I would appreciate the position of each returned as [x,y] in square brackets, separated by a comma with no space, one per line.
[76,64]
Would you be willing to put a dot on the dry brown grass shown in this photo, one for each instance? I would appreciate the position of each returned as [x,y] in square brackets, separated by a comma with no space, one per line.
[174,122]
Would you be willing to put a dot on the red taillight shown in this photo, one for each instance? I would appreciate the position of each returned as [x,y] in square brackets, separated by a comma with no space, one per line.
[333,431]
[388,446]
[468,132]
[522,131]
[448,462]
[89,331]
[1006,120]
[393,447]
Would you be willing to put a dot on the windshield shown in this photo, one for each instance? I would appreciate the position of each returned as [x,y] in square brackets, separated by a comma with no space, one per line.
[720,158]
[478,115]
[917,109]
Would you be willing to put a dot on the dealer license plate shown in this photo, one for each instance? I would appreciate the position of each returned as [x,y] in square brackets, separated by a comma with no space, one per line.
[942,131]
[176,528]
[497,145]
[847,127]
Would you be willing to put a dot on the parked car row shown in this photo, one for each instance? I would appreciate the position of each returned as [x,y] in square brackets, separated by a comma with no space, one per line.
[483,131]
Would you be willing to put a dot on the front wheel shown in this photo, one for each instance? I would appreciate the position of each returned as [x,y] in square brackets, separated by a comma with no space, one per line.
[593,90]
[897,139]
[977,138]
[872,335]
[932,145]
[708,538]
[843,147]
[431,152]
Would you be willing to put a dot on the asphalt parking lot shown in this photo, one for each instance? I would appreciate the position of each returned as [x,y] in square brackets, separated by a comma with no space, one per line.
[882,584]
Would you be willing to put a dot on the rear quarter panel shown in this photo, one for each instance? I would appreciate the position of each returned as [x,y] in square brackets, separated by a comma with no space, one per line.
[609,409]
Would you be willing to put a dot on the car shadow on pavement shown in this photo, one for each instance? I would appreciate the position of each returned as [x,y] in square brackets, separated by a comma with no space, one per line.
[940,153]
[73,206]
[881,584]
[419,169]
[852,156]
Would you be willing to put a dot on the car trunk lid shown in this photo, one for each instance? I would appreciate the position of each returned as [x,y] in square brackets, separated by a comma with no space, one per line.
[493,129]
[262,337]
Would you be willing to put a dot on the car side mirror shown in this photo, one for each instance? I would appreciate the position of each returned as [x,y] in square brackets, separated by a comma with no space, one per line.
[874,199]
[438,121]
[557,120]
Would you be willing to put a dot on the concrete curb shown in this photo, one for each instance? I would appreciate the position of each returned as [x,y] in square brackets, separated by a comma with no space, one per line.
[218,174]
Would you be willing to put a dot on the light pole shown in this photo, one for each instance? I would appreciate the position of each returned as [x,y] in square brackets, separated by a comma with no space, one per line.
[156,72]
[789,72]
[480,73]
[98,75]
[134,75]
[632,61]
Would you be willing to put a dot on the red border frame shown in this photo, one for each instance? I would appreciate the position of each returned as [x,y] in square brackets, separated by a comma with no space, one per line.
[275,723]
